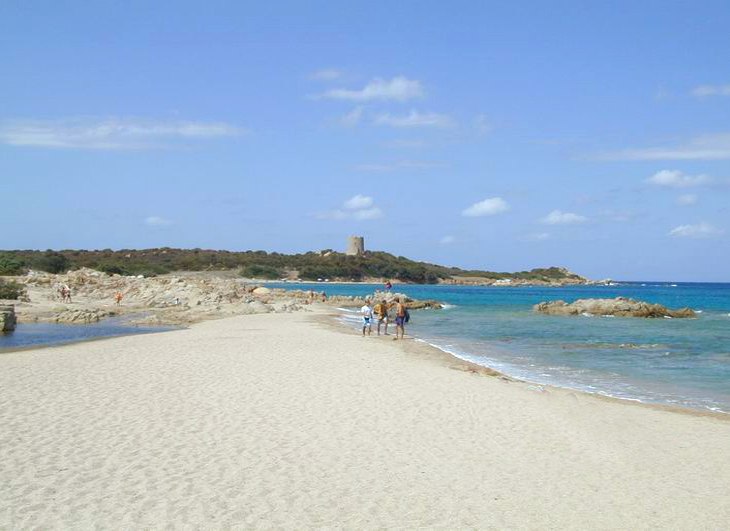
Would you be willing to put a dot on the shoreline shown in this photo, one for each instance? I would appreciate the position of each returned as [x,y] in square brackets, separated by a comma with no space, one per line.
[288,421]
[422,346]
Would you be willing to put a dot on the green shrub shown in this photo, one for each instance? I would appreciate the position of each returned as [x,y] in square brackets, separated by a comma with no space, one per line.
[51,262]
[10,265]
[11,290]
[260,271]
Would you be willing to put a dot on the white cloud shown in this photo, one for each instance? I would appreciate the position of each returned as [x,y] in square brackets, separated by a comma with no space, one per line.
[368,213]
[488,207]
[326,74]
[352,118]
[397,89]
[414,119]
[711,90]
[400,165]
[701,230]
[446,240]
[705,147]
[108,133]
[359,207]
[157,221]
[557,217]
[687,199]
[677,179]
[357,202]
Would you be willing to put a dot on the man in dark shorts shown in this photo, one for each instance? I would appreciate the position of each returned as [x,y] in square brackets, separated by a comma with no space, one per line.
[400,318]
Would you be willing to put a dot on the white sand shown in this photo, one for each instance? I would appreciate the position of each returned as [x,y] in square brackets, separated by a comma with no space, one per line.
[271,421]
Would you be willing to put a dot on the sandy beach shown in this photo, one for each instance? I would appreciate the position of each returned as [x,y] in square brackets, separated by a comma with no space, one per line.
[290,421]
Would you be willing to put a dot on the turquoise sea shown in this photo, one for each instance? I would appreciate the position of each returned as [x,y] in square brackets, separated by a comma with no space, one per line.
[682,362]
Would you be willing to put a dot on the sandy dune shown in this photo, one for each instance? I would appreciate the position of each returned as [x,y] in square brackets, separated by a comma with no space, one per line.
[277,421]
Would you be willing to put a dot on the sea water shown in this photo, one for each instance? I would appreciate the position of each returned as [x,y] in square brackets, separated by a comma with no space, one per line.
[45,334]
[682,362]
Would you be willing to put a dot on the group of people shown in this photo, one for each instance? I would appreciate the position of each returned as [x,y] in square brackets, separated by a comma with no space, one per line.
[381,312]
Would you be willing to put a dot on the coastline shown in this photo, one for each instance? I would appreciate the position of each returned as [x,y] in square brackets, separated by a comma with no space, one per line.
[286,420]
[418,346]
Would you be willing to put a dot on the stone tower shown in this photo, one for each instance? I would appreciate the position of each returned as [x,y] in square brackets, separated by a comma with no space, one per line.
[355,246]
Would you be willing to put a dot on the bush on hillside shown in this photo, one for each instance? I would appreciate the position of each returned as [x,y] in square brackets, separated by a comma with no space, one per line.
[11,290]
[260,271]
[51,262]
[10,265]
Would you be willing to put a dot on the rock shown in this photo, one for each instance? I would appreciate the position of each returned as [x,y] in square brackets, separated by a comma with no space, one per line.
[261,291]
[620,307]
[80,316]
[7,318]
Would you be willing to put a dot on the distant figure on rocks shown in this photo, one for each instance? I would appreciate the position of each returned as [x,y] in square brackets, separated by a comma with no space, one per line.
[388,285]
[367,317]
[324,297]
[65,293]
[381,312]
[400,318]
[118,298]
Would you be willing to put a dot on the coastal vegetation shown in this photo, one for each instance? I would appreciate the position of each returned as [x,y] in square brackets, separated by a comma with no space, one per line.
[11,290]
[325,264]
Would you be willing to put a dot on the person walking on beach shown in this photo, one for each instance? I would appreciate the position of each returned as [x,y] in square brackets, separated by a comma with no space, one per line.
[381,313]
[400,318]
[367,318]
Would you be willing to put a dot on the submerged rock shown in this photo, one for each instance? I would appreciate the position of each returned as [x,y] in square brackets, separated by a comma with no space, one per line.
[620,307]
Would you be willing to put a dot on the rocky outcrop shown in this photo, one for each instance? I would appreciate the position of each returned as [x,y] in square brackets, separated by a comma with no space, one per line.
[387,296]
[80,316]
[7,318]
[619,307]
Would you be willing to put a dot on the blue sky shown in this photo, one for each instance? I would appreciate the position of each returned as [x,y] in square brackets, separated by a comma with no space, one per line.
[495,135]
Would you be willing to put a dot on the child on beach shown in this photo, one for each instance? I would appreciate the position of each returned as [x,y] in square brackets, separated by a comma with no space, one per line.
[367,318]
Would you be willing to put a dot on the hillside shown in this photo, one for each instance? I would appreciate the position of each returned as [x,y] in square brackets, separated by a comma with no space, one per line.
[260,264]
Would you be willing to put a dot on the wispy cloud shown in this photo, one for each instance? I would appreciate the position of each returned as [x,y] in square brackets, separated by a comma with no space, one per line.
[687,199]
[358,207]
[705,147]
[538,236]
[400,165]
[405,143]
[157,221]
[488,207]
[677,179]
[558,217]
[700,230]
[326,74]
[482,125]
[397,89]
[352,118]
[704,91]
[414,119]
[108,133]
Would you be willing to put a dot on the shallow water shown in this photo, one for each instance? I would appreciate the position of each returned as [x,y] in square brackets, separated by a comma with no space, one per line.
[44,334]
[683,362]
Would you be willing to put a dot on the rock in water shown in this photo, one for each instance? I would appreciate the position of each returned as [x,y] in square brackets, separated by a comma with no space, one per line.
[7,318]
[620,307]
